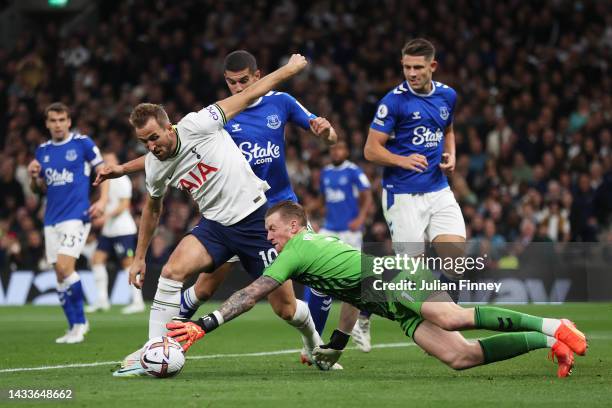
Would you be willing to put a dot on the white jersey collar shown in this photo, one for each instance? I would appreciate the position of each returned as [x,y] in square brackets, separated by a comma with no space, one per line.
[345,164]
[433,89]
[63,142]
[257,102]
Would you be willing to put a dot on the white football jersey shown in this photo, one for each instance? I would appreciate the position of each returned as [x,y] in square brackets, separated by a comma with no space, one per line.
[122,224]
[208,164]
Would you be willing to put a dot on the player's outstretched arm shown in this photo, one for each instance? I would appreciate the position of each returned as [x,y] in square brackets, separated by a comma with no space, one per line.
[240,302]
[237,103]
[108,171]
[148,222]
[97,208]
[376,152]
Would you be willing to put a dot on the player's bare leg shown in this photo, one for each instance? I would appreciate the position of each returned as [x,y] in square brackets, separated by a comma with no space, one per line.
[297,314]
[450,246]
[450,347]
[188,258]
[534,332]
[454,350]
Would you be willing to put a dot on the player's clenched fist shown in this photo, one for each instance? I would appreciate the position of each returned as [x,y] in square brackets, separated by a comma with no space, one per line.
[34,168]
[296,63]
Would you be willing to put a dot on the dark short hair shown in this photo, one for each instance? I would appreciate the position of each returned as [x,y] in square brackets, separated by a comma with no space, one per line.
[239,60]
[288,210]
[419,47]
[57,107]
[143,111]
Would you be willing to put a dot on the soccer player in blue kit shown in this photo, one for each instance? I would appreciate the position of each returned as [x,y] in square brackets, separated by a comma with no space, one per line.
[348,197]
[61,170]
[412,136]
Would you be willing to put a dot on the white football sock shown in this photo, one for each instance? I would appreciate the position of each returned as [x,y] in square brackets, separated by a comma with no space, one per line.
[166,305]
[550,326]
[302,320]
[101,280]
[550,341]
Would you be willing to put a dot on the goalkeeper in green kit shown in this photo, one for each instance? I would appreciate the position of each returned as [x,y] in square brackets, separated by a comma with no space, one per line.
[430,318]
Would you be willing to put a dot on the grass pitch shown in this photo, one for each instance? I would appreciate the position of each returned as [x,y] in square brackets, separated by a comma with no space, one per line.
[248,363]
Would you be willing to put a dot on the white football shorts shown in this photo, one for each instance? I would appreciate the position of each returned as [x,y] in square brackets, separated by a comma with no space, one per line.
[414,219]
[66,238]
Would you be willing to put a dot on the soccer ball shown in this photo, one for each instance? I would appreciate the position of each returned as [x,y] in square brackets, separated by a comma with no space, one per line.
[162,357]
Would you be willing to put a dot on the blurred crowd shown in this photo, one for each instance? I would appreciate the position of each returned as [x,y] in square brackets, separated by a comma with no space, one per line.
[533,117]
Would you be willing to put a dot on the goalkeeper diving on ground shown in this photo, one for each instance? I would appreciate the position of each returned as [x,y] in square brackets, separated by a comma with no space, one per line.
[430,318]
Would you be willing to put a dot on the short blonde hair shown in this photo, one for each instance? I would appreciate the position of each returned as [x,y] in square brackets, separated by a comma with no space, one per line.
[288,210]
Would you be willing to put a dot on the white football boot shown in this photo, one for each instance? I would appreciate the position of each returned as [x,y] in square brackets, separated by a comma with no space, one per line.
[361,334]
[131,367]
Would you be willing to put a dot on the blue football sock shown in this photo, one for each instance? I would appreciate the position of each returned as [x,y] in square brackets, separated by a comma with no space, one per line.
[319,305]
[65,302]
[189,303]
[76,297]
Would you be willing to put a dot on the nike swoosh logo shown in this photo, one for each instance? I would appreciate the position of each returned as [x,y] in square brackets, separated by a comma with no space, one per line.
[129,369]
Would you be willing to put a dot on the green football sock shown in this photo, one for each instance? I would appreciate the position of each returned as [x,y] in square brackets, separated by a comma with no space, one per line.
[496,318]
[508,345]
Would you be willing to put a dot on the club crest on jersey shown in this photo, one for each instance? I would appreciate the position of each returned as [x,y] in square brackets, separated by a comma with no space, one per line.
[71,155]
[444,112]
[274,122]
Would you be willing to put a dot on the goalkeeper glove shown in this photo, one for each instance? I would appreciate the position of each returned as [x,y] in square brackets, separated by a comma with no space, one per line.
[183,330]
[326,355]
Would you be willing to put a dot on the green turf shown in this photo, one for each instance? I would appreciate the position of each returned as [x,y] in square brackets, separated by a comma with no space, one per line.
[389,377]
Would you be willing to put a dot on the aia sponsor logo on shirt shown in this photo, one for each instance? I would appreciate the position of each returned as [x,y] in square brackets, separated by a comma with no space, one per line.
[196,177]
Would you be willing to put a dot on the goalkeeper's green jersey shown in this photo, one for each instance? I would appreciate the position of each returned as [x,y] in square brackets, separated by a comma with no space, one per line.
[328,265]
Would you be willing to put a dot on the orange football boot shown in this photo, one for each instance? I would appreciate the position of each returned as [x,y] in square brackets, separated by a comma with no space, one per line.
[565,358]
[571,336]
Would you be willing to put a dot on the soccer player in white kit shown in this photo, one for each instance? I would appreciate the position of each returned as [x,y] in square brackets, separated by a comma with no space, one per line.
[118,236]
[198,156]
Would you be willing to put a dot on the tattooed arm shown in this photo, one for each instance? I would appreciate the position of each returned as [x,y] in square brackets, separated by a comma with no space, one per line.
[244,300]
[188,332]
